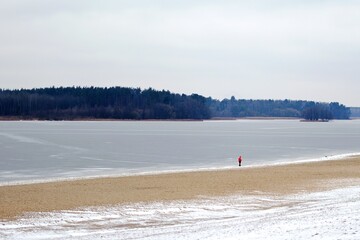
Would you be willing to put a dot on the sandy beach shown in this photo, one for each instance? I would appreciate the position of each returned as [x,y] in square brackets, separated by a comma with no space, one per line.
[276,180]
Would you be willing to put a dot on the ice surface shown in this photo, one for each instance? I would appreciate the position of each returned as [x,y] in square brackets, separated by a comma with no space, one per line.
[35,151]
[331,214]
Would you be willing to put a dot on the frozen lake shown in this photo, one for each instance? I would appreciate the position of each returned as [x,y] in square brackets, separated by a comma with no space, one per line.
[42,150]
[32,151]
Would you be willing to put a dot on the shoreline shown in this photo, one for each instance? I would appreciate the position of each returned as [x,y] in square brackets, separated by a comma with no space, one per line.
[282,179]
[175,171]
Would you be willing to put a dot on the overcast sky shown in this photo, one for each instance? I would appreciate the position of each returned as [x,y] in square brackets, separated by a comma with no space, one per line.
[258,49]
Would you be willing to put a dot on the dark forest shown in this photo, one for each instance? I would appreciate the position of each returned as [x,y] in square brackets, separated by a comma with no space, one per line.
[69,103]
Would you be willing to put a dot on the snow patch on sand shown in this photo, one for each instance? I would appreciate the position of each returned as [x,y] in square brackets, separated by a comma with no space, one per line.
[331,214]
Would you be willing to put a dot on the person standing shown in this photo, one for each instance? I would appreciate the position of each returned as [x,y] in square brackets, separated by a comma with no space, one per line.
[239,160]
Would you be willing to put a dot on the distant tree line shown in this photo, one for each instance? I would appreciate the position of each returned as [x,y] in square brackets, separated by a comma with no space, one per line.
[67,103]
[278,108]
[355,112]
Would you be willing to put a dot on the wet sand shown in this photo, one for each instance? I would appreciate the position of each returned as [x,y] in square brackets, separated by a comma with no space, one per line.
[282,179]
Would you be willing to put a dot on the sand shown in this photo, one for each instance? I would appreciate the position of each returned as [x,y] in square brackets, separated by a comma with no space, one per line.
[279,180]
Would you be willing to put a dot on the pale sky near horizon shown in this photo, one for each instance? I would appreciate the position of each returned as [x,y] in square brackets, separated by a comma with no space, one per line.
[254,49]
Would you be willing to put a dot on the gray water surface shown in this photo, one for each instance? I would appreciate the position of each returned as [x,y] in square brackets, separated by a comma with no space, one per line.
[38,150]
